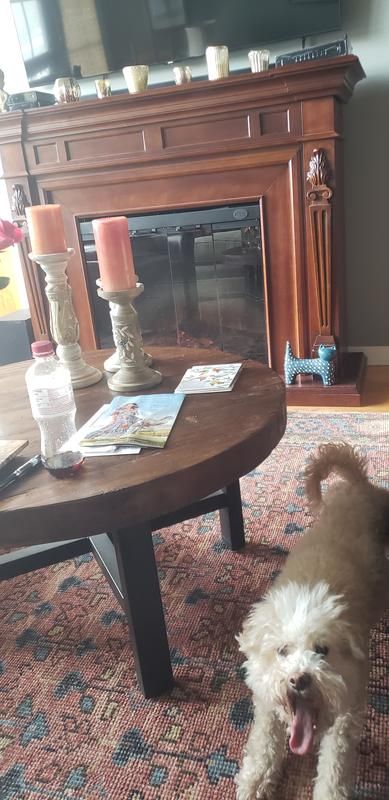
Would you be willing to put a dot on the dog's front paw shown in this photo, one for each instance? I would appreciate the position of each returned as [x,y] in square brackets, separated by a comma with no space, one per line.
[249,787]
[255,794]
[323,792]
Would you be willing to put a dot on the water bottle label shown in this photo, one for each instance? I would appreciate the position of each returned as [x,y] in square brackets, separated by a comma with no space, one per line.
[47,403]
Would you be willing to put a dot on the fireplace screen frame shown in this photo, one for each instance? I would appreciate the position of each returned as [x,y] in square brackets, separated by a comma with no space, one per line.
[204,276]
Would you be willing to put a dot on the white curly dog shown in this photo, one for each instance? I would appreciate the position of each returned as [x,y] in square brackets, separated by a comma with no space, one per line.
[307,642]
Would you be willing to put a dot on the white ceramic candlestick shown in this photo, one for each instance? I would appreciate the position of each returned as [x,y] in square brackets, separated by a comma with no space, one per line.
[112,364]
[64,325]
[133,373]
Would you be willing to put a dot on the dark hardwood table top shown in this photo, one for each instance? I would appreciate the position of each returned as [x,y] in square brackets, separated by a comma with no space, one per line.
[216,439]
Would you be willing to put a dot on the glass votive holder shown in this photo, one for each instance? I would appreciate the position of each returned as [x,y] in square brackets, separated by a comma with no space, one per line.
[217,62]
[136,77]
[67,90]
[259,60]
[182,75]
[103,88]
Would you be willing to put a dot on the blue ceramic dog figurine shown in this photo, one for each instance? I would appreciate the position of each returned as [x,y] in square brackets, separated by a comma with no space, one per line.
[323,366]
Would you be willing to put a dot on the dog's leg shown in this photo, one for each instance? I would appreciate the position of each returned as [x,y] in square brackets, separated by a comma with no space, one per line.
[263,757]
[337,757]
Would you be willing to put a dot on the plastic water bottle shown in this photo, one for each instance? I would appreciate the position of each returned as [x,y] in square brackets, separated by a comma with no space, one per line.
[52,403]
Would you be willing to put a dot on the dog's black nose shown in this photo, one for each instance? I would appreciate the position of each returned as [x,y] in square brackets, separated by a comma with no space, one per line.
[300,681]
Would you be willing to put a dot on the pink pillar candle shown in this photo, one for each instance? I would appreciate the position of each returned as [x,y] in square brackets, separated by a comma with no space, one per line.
[46,229]
[114,254]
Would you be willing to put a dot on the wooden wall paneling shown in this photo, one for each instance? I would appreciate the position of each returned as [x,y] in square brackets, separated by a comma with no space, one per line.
[192,132]
[318,118]
[46,153]
[176,140]
[188,182]
[12,161]
[279,120]
[79,149]
[153,139]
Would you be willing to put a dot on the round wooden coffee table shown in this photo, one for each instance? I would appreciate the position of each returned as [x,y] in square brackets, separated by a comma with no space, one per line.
[114,503]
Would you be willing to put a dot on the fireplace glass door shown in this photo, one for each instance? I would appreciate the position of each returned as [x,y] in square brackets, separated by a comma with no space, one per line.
[203,278]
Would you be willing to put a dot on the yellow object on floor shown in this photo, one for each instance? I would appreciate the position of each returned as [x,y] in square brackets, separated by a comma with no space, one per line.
[9,297]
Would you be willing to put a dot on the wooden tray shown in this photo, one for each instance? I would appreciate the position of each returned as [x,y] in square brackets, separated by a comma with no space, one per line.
[10,448]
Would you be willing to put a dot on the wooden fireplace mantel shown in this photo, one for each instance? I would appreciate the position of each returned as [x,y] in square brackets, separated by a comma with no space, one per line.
[273,137]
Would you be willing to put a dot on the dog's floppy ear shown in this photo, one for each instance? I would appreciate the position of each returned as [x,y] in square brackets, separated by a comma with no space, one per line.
[351,644]
[354,645]
[255,628]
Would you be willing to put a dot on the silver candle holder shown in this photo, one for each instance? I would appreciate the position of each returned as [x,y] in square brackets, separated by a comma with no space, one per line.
[64,325]
[134,371]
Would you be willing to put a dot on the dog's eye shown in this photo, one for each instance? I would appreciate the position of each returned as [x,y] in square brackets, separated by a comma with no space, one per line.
[283,651]
[321,649]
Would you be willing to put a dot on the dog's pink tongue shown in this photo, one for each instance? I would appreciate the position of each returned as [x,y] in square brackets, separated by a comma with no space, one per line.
[302,731]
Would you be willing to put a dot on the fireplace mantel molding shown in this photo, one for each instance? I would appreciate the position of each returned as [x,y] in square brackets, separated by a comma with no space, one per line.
[273,137]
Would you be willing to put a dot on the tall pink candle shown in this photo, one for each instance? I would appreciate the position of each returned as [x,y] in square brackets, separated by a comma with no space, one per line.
[46,229]
[114,253]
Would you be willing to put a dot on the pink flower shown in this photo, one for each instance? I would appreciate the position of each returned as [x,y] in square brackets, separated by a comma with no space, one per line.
[9,234]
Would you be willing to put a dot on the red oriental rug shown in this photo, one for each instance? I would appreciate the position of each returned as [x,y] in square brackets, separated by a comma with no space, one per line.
[73,722]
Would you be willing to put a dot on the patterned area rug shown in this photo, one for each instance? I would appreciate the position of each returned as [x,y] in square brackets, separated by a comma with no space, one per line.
[73,723]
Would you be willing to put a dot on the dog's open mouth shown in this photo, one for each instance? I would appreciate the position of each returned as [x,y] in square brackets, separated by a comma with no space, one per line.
[303,727]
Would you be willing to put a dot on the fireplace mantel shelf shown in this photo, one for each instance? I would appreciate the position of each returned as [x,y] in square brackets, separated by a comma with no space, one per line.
[336,77]
[251,137]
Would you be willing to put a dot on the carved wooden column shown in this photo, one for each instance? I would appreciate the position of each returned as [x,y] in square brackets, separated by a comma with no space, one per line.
[19,202]
[320,222]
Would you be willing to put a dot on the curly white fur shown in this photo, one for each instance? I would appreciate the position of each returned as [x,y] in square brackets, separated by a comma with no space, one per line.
[306,643]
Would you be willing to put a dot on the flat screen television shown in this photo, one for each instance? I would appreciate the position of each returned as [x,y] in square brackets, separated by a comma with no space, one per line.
[92,37]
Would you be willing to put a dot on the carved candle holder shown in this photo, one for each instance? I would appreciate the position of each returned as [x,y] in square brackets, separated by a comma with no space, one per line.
[64,325]
[112,364]
[133,373]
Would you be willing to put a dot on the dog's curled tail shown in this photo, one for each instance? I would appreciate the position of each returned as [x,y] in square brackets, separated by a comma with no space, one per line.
[340,458]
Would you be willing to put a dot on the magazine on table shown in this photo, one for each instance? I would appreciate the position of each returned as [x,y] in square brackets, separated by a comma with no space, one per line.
[104,450]
[141,421]
[209,378]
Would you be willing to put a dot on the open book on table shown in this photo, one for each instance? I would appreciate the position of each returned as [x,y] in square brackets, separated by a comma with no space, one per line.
[103,450]
[141,421]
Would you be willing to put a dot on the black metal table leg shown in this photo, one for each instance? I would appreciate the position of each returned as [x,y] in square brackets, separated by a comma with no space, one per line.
[142,597]
[231,518]
[26,559]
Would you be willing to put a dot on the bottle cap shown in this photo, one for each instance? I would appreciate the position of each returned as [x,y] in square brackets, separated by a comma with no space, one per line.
[42,348]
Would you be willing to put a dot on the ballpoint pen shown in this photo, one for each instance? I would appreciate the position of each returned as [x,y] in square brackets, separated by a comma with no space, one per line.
[20,472]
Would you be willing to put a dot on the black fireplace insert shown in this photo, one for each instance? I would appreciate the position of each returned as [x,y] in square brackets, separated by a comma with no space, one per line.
[203,278]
